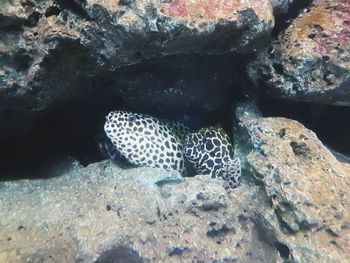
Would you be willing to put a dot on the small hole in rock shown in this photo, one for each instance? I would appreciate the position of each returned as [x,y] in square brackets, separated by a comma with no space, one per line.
[52,11]
[119,254]
[318,27]
[138,54]
[33,19]
[295,87]
[283,250]
[282,133]
[278,67]
[76,7]
[326,58]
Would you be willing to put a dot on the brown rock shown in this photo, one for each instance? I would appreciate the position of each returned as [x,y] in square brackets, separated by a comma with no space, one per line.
[307,186]
[310,60]
[212,10]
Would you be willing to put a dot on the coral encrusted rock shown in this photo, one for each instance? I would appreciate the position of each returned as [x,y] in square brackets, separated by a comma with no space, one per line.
[310,61]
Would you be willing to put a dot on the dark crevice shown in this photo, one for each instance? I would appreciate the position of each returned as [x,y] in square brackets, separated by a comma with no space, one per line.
[8,24]
[219,232]
[177,251]
[73,130]
[197,90]
[299,148]
[65,133]
[75,6]
[27,3]
[33,19]
[283,250]
[21,61]
[282,21]
[119,254]
[52,11]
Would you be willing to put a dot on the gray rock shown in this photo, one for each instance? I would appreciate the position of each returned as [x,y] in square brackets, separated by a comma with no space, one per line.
[102,212]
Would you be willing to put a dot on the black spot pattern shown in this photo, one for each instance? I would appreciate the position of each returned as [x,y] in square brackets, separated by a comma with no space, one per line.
[211,152]
[147,141]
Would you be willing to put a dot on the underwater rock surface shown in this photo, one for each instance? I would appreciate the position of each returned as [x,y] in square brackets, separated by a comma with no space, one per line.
[306,186]
[55,51]
[310,60]
[102,212]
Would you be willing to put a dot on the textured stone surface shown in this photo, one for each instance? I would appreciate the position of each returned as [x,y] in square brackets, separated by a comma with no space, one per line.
[54,51]
[156,28]
[310,60]
[102,212]
[307,187]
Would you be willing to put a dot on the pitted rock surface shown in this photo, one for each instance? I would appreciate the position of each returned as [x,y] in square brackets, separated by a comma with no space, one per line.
[310,60]
[102,211]
[307,186]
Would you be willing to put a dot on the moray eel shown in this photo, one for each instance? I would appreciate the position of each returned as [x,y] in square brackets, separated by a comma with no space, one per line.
[146,141]
[211,152]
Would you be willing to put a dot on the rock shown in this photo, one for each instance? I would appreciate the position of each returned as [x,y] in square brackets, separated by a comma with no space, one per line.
[306,186]
[102,212]
[310,60]
[133,31]
[52,52]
